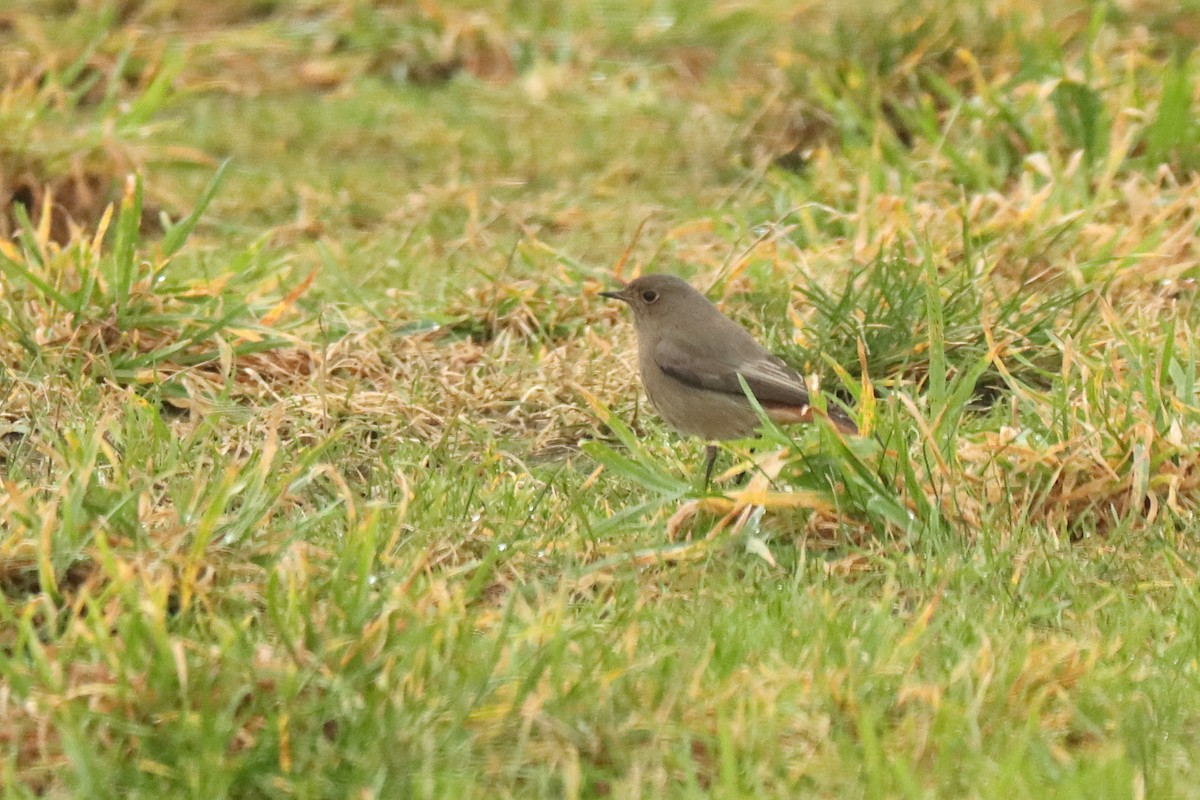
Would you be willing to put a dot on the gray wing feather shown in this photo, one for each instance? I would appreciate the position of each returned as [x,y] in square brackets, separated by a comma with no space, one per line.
[771,380]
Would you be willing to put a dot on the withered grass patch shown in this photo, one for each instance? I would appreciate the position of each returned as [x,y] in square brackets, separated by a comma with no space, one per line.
[79,107]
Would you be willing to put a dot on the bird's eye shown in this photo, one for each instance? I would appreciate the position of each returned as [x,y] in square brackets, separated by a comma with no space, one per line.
[649,295]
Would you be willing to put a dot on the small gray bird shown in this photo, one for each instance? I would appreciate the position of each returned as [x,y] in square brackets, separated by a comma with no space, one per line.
[690,356]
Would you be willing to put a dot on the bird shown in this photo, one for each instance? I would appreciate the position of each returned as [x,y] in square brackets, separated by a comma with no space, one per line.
[690,357]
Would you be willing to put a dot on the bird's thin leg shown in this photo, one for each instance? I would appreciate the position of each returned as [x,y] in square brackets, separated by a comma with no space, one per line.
[710,458]
[743,476]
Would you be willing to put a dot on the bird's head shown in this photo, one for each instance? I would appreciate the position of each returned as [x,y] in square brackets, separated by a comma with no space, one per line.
[659,297]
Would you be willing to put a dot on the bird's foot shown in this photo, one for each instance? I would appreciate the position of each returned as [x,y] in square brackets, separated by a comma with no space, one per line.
[710,458]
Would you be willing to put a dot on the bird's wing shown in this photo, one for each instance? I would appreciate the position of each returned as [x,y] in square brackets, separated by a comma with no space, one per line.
[771,380]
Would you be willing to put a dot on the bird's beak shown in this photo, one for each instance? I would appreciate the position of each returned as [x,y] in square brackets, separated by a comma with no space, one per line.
[615,295]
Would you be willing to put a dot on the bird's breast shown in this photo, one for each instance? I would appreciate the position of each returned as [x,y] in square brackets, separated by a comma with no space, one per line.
[694,411]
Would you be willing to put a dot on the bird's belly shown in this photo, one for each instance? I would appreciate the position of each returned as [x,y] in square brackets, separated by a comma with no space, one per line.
[700,412]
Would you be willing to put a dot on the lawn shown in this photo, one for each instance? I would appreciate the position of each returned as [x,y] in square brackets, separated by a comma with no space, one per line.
[325,471]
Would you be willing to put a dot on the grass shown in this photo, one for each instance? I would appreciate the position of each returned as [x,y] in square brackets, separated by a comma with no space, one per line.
[323,469]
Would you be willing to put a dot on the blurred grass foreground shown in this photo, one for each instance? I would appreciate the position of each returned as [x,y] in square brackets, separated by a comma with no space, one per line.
[324,472]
